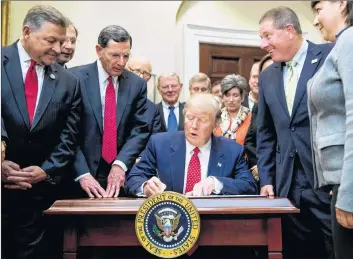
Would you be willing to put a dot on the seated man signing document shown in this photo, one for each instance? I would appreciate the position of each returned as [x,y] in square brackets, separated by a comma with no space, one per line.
[194,161]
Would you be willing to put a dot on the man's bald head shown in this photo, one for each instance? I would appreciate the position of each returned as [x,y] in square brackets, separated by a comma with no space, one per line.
[141,66]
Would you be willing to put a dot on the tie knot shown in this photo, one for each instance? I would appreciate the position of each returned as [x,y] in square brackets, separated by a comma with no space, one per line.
[196,150]
[110,80]
[33,64]
[292,63]
[171,108]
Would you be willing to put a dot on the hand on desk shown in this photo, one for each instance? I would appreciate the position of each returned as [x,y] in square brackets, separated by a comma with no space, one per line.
[92,187]
[203,188]
[345,218]
[267,190]
[153,186]
[116,179]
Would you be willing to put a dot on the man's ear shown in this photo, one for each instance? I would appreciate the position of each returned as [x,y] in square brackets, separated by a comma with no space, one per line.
[99,50]
[26,31]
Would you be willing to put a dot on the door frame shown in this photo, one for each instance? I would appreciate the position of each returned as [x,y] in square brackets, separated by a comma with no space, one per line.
[196,34]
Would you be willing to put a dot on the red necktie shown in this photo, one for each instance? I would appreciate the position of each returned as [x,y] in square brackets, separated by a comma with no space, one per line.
[31,89]
[194,171]
[109,147]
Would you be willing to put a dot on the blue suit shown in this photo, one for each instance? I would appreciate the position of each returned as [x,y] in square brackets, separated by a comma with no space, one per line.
[166,152]
[283,142]
[154,118]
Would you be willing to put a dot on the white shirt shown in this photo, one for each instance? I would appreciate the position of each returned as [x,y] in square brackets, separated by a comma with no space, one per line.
[103,84]
[204,157]
[25,61]
[166,111]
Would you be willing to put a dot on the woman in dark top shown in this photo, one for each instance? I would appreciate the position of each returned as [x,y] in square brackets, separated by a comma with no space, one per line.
[250,139]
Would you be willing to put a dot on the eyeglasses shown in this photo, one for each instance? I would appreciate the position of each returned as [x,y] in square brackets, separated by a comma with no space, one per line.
[146,75]
[125,57]
[166,87]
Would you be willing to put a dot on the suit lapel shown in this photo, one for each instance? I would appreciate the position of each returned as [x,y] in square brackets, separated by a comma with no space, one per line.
[160,108]
[308,71]
[13,71]
[49,83]
[123,96]
[177,163]
[216,162]
[94,95]
[280,87]
[181,116]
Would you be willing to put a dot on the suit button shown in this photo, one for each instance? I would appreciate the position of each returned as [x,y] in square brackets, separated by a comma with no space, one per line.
[291,154]
[95,162]
[292,128]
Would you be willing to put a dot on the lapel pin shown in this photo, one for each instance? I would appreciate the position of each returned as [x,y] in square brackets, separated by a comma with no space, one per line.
[314,61]
[219,165]
[52,76]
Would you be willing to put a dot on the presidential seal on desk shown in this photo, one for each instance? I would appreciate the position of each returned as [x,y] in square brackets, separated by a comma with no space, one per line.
[167,225]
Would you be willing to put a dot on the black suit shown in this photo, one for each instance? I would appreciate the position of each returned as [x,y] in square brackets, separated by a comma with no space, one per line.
[250,138]
[154,118]
[181,116]
[50,143]
[132,122]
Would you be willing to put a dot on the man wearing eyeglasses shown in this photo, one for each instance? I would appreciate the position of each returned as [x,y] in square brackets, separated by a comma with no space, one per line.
[142,67]
[114,127]
[170,107]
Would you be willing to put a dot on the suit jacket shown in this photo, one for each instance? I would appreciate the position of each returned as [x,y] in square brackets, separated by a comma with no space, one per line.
[280,136]
[330,108]
[250,138]
[132,132]
[50,142]
[181,116]
[166,153]
[154,118]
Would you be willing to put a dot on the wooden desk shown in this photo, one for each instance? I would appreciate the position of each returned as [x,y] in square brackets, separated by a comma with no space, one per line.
[224,222]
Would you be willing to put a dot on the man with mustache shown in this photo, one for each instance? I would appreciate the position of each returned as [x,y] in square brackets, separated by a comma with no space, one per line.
[114,128]
[69,46]
[283,136]
[40,105]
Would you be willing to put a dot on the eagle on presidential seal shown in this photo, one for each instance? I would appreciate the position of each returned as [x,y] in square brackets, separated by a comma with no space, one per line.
[167,221]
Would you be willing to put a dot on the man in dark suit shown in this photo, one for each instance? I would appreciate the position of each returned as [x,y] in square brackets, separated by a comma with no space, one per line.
[283,139]
[114,127]
[40,105]
[170,108]
[194,162]
[143,68]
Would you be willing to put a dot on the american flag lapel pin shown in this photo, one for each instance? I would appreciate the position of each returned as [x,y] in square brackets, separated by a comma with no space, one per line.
[314,61]
[219,164]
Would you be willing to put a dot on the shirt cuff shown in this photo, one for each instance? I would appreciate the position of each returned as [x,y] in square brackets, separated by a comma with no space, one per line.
[121,164]
[218,186]
[79,177]
[139,190]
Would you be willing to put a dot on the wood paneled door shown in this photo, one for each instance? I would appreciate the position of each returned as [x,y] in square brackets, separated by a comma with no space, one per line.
[217,61]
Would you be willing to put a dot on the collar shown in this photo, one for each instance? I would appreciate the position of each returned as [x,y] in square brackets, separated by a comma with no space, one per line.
[339,34]
[103,75]
[165,105]
[299,57]
[24,57]
[203,149]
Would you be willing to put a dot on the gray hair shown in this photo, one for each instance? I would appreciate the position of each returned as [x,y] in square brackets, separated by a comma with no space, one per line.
[168,74]
[198,78]
[39,14]
[205,102]
[115,33]
[281,16]
[233,81]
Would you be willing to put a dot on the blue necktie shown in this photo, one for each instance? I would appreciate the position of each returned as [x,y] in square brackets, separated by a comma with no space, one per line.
[172,121]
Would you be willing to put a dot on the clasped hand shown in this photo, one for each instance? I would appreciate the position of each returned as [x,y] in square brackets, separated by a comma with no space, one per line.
[20,179]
